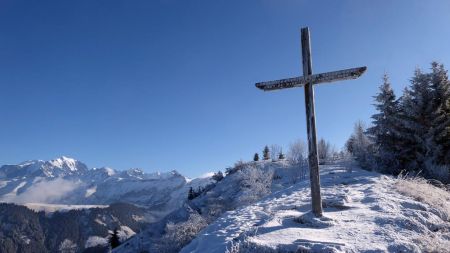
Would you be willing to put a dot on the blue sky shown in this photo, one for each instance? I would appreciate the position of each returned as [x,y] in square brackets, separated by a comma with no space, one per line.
[167,84]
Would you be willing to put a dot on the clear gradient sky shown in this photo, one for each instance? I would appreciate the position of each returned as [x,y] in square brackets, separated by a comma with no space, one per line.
[165,84]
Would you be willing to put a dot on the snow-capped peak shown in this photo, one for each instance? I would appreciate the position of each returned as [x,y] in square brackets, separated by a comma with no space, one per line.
[65,162]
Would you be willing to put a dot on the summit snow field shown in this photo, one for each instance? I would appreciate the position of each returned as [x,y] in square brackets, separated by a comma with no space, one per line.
[363,212]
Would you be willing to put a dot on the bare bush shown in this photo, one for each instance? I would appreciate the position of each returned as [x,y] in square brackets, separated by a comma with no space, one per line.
[297,152]
[180,234]
[275,151]
[421,190]
[67,246]
[255,183]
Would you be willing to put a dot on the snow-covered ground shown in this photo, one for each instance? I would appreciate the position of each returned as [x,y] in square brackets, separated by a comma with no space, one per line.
[363,212]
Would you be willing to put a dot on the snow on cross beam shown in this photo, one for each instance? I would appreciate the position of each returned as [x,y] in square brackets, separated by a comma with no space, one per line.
[300,81]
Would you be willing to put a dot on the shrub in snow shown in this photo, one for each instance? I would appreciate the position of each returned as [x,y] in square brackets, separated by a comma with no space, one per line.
[274,152]
[360,146]
[237,166]
[67,246]
[94,241]
[297,152]
[324,150]
[180,234]
[421,190]
[255,183]
[440,172]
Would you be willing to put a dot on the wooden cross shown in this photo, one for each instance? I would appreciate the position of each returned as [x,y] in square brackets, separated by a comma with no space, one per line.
[307,80]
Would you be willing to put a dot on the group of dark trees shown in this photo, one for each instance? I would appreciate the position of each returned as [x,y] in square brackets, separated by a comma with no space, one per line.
[192,194]
[274,153]
[411,133]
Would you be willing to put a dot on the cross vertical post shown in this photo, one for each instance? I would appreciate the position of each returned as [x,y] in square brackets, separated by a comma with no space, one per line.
[313,160]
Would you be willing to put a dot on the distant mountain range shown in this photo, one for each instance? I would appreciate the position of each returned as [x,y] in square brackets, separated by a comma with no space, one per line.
[68,181]
[91,203]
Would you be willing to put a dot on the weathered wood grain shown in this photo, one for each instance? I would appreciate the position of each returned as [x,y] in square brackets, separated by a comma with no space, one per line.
[311,126]
[328,77]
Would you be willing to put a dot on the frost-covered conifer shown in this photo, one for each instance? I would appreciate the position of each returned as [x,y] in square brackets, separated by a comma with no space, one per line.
[386,128]
[281,155]
[191,194]
[114,240]
[256,157]
[438,163]
[441,107]
[266,153]
[359,145]
[416,123]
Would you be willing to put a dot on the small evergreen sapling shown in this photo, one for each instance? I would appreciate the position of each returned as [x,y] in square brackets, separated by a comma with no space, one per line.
[191,194]
[266,153]
[256,157]
[281,156]
[114,240]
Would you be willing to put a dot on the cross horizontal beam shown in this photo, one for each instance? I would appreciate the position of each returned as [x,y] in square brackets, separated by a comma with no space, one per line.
[300,81]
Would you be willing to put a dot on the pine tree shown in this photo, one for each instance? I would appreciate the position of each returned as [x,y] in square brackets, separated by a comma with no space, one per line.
[438,164]
[191,194]
[440,85]
[114,239]
[266,153]
[218,176]
[385,129]
[416,114]
[281,155]
[256,157]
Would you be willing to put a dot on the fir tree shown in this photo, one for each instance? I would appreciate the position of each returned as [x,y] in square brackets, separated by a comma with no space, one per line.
[256,157]
[218,176]
[266,153]
[438,160]
[385,129]
[191,194]
[416,113]
[441,118]
[114,239]
[281,156]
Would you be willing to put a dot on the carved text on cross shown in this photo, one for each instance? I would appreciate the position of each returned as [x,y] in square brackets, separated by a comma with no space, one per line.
[307,80]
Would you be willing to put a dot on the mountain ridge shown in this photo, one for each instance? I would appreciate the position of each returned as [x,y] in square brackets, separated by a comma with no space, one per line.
[65,180]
